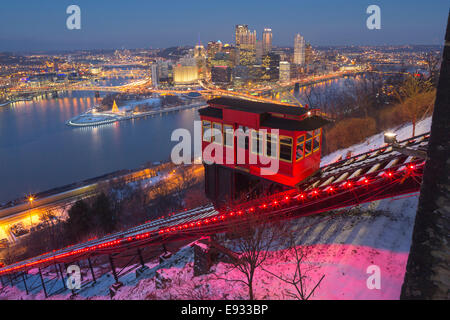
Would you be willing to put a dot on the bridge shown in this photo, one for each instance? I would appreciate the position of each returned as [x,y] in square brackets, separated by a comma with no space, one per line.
[377,174]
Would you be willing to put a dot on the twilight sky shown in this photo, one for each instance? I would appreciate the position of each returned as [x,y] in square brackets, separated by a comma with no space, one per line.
[27,25]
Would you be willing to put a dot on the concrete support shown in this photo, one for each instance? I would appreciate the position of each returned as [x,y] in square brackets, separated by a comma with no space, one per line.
[25,282]
[92,270]
[113,268]
[43,283]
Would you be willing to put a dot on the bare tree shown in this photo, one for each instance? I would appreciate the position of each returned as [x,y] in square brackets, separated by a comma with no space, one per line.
[49,217]
[300,279]
[432,61]
[254,239]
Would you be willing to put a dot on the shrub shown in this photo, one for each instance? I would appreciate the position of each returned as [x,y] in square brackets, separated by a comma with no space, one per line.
[348,132]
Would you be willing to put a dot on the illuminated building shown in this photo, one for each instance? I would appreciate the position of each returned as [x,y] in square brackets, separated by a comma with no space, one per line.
[221,74]
[96,70]
[163,71]
[246,45]
[243,36]
[266,41]
[200,58]
[239,31]
[185,74]
[199,51]
[258,51]
[299,50]
[247,57]
[187,60]
[212,49]
[256,72]
[271,66]
[232,54]
[240,74]
[285,71]
[308,54]
[155,76]
[221,59]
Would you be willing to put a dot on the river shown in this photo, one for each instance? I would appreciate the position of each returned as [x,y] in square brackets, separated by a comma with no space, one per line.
[38,151]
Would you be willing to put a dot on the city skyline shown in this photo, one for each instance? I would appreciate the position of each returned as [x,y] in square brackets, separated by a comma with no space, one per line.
[108,25]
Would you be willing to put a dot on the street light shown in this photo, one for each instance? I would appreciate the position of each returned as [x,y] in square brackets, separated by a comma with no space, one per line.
[391,139]
[30,200]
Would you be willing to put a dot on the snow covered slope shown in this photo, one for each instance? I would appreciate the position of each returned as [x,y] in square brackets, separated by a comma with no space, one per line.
[376,141]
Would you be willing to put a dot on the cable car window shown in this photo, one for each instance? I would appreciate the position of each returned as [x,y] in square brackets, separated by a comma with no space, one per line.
[271,145]
[308,143]
[300,149]
[217,133]
[206,135]
[257,142]
[243,139]
[317,134]
[286,149]
[228,135]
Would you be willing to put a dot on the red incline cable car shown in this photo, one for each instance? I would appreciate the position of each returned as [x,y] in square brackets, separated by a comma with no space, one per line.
[247,143]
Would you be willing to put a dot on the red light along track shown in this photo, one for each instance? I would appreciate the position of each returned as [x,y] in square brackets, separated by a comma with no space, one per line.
[374,175]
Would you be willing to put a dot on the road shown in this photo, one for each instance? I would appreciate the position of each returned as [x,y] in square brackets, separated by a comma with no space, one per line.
[30,214]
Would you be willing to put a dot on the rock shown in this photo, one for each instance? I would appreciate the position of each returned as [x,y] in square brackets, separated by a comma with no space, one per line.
[160,281]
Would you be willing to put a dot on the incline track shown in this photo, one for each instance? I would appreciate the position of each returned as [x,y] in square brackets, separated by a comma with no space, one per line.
[374,175]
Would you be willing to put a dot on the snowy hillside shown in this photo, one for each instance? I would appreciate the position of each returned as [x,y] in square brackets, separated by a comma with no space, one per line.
[377,141]
[341,245]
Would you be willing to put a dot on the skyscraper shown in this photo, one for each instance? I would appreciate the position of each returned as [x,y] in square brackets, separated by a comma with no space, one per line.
[271,67]
[155,76]
[299,50]
[285,71]
[199,51]
[258,51]
[267,40]
[240,30]
[244,37]
[246,45]
[213,48]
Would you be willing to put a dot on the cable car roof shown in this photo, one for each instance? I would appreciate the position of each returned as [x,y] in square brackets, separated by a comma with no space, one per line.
[257,107]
